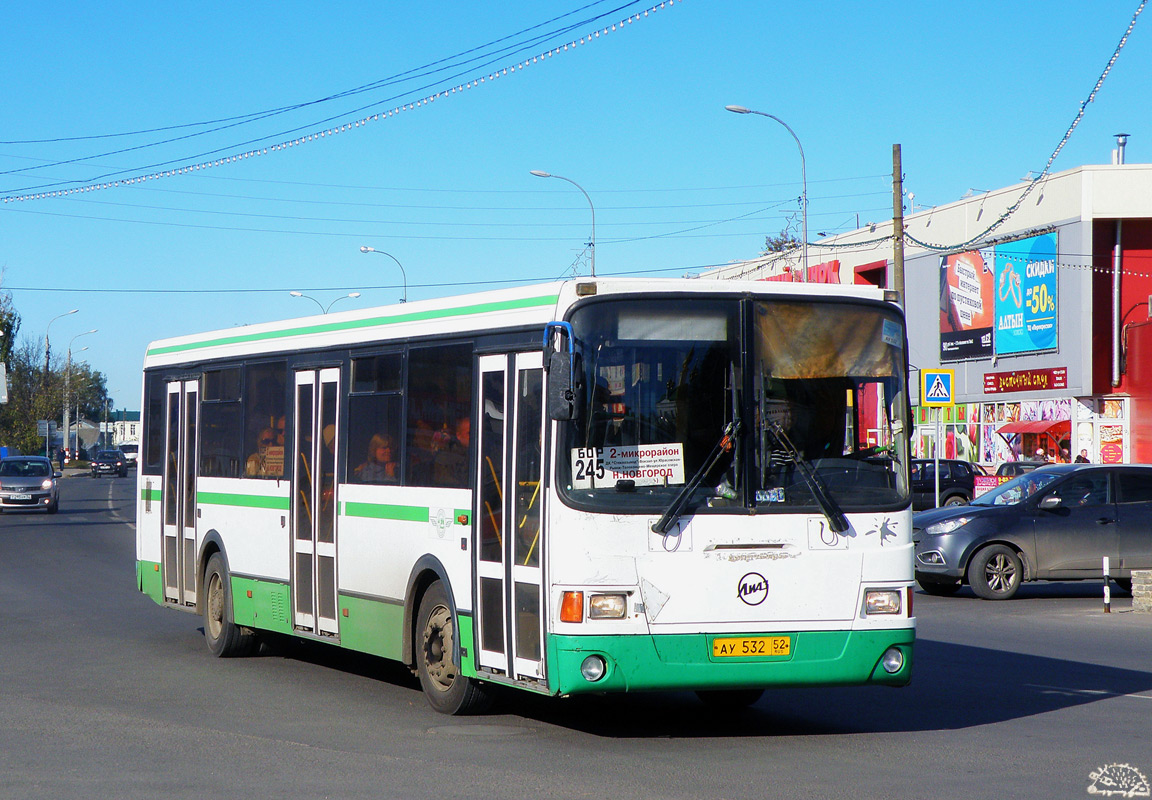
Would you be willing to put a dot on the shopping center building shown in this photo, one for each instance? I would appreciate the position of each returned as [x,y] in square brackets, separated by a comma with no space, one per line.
[1046,319]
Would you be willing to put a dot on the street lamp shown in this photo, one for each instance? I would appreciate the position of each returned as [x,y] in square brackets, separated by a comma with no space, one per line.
[403,275]
[592,244]
[803,173]
[47,346]
[317,302]
[67,377]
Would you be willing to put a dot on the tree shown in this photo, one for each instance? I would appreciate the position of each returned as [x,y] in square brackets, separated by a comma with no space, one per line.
[785,240]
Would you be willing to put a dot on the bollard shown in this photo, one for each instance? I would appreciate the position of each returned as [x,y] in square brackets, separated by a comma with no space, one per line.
[1107,590]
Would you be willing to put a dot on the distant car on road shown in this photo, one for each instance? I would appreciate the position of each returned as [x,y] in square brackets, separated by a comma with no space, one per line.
[957,479]
[1014,468]
[109,462]
[29,482]
[130,451]
[1054,523]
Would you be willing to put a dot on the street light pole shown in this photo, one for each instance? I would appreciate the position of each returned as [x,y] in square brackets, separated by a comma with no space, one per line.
[317,302]
[403,275]
[67,395]
[47,346]
[803,173]
[592,244]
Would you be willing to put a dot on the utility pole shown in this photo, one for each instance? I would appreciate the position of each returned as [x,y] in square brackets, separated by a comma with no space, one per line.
[897,224]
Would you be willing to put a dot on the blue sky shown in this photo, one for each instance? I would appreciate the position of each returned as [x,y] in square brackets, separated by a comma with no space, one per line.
[976,97]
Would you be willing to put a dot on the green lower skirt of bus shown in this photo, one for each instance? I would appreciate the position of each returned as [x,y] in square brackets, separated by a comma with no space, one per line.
[150,580]
[705,661]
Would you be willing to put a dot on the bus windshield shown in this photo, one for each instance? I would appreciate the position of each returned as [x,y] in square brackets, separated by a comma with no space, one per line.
[778,405]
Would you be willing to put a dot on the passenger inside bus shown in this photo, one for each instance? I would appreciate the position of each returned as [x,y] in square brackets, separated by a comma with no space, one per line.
[381,466]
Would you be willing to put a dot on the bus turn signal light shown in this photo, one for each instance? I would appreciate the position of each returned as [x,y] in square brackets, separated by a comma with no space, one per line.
[572,607]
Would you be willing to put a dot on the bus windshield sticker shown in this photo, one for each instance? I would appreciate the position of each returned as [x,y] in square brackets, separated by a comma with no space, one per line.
[890,333]
[646,464]
[643,465]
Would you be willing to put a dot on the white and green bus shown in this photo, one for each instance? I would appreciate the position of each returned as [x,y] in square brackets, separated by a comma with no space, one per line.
[599,485]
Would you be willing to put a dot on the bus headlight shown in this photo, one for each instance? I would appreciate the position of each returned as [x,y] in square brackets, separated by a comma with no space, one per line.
[593,668]
[892,661]
[607,606]
[881,601]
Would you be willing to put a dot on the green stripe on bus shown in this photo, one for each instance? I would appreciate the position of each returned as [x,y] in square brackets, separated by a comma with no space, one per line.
[243,500]
[382,511]
[151,494]
[349,325]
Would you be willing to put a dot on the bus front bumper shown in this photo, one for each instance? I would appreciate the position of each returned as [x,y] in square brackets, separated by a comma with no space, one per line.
[688,662]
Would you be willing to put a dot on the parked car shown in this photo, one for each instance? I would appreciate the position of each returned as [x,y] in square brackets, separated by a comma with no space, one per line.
[29,482]
[130,451]
[1014,468]
[109,462]
[957,479]
[1054,523]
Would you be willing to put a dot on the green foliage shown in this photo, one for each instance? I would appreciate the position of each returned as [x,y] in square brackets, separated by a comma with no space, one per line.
[34,394]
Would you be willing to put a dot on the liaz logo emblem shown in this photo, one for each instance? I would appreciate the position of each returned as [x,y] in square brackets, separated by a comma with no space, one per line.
[753,589]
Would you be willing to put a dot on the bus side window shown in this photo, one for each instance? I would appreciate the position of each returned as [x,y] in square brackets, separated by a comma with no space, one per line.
[375,420]
[439,416]
[265,419]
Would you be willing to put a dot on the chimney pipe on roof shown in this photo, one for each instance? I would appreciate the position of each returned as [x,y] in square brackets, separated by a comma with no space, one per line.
[1118,153]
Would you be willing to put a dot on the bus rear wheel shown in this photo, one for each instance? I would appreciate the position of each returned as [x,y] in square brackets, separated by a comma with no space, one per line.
[224,637]
[447,690]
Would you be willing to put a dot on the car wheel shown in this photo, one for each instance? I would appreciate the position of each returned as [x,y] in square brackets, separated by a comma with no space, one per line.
[447,690]
[995,573]
[224,637]
[938,588]
[53,507]
[956,500]
[1123,584]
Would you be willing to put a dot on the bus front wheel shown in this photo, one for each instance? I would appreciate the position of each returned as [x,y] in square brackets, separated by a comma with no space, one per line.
[224,637]
[448,691]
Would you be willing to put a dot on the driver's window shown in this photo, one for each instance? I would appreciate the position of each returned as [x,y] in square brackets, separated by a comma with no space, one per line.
[1083,490]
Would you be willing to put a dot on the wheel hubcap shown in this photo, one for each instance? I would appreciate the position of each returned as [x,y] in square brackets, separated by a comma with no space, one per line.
[215,606]
[1000,573]
[439,639]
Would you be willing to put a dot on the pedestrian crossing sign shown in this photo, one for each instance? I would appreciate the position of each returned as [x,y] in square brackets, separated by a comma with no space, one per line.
[936,387]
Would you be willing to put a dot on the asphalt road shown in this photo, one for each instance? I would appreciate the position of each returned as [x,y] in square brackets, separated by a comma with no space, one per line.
[104,694]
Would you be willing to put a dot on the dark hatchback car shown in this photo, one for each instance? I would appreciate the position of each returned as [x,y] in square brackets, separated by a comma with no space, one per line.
[109,462]
[957,479]
[29,482]
[1054,523]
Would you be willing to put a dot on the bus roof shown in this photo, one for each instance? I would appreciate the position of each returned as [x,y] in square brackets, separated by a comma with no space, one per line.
[525,306]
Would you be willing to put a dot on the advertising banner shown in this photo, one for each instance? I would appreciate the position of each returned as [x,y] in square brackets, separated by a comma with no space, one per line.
[1026,295]
[967,305]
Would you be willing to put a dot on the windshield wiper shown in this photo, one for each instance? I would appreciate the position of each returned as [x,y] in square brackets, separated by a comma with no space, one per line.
[676,507]
[836,519]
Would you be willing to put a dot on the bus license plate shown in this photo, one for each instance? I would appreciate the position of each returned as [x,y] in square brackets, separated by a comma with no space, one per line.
[751,646]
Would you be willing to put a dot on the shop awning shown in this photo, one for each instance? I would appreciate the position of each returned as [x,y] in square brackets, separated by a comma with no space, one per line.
[1050,426]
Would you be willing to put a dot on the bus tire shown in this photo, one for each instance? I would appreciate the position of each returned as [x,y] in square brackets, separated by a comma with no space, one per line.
[225,638]
[448,691]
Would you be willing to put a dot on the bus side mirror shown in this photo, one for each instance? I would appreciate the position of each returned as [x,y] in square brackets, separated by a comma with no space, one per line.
[563,397]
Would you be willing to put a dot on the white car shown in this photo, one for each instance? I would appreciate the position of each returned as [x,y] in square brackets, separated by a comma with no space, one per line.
[131,451]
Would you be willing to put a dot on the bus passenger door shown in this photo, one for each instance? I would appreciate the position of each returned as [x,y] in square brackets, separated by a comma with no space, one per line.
[508,554]
[314,502]
[181,415]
